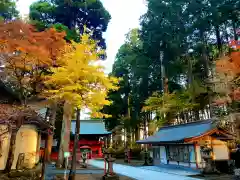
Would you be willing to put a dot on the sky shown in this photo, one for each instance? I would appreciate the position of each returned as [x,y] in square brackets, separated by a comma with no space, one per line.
[125,16]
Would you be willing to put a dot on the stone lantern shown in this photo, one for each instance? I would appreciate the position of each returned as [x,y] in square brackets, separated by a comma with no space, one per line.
[207,156]
[126,153]
[108,157]
[84,158]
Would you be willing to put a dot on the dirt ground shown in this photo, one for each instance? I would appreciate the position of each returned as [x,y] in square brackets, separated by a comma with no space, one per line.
[131,163]
[94,177]
[215,177]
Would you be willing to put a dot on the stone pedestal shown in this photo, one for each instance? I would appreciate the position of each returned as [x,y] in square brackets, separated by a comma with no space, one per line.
[110,175]
[207,156]
[126,156]
[146,163]
[84,159]
[84,165]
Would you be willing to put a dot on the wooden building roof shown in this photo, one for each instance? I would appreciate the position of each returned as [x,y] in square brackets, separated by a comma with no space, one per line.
[90,127]
[11,111]
[185,133]
[13,114]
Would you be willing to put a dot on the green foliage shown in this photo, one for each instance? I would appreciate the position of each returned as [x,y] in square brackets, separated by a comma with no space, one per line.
[135,152]
[181,25]
[72,14]
[174,102]
[115,109]
[119,153]
[173,28]
[70,34]
[8,9]
[41,14]
[132,66]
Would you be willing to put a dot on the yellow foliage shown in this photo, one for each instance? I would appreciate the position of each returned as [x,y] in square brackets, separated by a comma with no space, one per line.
[169,102]
[78,80]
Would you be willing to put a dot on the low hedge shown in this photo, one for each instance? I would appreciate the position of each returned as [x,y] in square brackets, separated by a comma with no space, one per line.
[135,153]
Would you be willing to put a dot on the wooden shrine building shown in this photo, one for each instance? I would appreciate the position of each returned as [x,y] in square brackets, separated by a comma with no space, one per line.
[181,144]
[93,136]
[29,125]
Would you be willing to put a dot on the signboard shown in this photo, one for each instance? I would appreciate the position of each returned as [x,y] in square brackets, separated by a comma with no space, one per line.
[66,154]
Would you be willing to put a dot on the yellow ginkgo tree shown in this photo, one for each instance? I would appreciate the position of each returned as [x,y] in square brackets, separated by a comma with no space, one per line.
[80,83]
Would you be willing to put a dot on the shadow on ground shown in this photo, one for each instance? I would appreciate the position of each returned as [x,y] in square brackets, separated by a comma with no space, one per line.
[91,173]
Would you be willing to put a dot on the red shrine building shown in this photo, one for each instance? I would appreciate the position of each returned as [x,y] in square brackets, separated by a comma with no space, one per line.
[92,137]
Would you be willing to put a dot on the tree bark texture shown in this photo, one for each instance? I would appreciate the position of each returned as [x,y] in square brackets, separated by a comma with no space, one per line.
[11,150]
[53,108]
[72,173]
[44,159]
[234,29]
[65,133]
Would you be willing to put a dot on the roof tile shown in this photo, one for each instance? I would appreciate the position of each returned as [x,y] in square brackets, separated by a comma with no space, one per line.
[180,132]
[88,127]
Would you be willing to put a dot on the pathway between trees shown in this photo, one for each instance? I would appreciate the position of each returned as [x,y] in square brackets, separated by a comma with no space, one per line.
[139,173]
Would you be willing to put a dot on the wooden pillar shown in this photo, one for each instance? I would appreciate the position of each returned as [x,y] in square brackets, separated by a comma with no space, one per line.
[99,151]
[44,158]
[195,150]
[189,156]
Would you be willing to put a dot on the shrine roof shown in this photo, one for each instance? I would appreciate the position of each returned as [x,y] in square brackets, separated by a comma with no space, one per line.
[178,133]
[13,113]
[90,127]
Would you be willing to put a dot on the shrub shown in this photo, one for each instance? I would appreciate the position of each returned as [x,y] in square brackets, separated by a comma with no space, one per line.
[119,153]
[136,153]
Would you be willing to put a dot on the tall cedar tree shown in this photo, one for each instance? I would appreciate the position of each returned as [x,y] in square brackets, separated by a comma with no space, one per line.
[73,14]
[8,9]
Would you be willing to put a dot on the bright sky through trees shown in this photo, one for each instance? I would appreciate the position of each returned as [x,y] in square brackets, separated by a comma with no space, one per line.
[125,16]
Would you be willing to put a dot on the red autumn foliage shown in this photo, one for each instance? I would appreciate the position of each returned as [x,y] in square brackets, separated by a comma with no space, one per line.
[27,53]
[235,44]
[230,66]
[36,48]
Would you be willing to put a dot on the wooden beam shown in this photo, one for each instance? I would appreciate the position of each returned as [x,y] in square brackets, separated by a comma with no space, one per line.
[198,137]
[209,133]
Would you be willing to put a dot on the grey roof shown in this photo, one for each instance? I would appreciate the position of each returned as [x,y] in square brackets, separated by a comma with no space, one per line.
[88,127]
[178,133]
